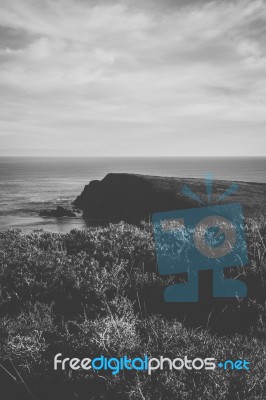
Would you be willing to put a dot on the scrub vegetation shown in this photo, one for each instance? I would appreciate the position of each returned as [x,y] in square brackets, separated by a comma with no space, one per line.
[97,292]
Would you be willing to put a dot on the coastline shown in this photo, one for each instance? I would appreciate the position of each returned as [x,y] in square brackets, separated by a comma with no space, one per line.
[137,195]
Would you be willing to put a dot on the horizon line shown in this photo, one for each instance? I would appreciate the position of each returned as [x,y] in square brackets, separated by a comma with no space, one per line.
[133,156]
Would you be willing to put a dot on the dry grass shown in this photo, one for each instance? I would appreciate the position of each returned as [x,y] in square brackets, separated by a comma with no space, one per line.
[97,291]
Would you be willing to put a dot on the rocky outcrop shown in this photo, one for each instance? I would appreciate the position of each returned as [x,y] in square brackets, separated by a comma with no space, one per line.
[59,212]
[133,198]
[130,198]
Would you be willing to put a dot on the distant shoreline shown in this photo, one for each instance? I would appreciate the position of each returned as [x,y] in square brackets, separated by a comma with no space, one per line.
[30,185]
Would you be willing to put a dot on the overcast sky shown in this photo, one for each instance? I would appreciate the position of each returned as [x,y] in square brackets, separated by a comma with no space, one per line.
[147,77]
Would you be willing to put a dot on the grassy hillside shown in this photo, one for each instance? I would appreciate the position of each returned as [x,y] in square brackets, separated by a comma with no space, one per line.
[134,198]
[97,291]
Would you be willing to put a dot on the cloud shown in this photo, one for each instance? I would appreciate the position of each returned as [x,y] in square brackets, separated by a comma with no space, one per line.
[180,69]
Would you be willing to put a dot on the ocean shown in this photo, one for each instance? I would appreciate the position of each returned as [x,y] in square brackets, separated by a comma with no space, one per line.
[28,185]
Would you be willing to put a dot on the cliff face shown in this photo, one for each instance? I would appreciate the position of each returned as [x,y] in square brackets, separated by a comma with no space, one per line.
[130,198]
[133,198]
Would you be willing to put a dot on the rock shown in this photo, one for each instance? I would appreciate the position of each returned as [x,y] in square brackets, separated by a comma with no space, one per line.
[59,212]
[134,198]
[130,197]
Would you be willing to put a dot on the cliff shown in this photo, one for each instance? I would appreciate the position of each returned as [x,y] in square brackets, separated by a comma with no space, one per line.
[133,198]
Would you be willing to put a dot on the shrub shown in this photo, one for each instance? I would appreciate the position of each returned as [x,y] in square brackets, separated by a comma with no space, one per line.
[97,291]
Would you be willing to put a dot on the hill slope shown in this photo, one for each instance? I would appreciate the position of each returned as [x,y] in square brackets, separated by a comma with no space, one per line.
[133,198]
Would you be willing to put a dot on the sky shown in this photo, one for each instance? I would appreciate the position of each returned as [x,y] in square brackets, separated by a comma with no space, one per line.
[132,78]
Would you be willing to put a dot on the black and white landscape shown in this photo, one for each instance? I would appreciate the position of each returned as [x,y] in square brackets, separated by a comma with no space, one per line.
[108,108]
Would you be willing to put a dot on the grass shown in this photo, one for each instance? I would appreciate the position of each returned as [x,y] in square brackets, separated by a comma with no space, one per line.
[97,291]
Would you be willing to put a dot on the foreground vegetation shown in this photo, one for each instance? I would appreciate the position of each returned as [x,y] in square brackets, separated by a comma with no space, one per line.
[97,292]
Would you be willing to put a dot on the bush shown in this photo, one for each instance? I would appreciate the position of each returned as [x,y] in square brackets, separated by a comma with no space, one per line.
[97,292]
